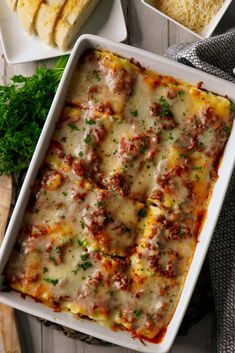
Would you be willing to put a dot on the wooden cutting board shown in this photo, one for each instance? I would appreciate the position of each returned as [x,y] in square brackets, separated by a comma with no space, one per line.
[8,328]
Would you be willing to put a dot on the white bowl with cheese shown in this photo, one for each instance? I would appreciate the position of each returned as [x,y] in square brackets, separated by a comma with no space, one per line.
[207,31]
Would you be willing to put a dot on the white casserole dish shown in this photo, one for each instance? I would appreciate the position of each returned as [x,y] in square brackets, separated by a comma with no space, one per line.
[209,29]
[164,66]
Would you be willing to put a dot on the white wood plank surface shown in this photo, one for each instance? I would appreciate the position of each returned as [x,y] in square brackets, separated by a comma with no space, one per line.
[151,32]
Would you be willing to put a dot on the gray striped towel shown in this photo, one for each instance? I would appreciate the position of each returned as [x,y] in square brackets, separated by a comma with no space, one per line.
[216,56]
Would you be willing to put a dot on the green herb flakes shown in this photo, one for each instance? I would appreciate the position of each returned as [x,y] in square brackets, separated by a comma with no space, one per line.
[86,265]
[73,127]
[142,212]
[89,141]
[51,280]
[165,108]
[134,113]
[90,121]
[81,242]
[83,257]
[138,313]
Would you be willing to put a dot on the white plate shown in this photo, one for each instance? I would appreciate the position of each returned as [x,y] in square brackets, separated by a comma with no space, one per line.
[165,67]
[107,21]
[209,29]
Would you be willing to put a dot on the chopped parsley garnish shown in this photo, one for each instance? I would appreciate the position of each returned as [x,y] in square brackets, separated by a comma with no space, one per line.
[81,242]
[126,230]
[80,154]
[58,249]
[138,313]
[100,203]
[197,177]
[63,139]
[73,127]
[165,108]
[227,129]
[97,76]
[170,137]
[196,121]
[74,271]
[53,259]
[134,113]
[83,257]
[64,193]
[86,265]
[82,224]
[143,146]
[89,141]
[90,121]
[142,212]
[44,270]
[181,92]
[51,280]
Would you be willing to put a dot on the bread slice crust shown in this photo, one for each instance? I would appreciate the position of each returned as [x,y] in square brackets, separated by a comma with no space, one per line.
[71,19]
[27,11]
[46,18]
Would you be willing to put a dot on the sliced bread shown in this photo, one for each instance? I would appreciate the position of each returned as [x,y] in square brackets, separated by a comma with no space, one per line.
[46,19]
[27,11]
[72,17]
[12,4]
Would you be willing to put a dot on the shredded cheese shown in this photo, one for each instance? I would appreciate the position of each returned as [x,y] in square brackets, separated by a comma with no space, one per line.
[194,14]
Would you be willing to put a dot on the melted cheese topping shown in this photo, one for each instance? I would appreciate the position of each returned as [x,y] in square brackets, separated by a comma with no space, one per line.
[112,223]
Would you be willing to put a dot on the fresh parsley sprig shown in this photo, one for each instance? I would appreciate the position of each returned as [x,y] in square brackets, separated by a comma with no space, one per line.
[24,105]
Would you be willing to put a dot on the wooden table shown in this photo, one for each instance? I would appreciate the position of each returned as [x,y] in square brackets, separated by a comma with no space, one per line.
[151,32]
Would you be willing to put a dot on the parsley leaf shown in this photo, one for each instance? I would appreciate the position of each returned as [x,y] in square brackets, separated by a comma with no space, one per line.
[90,121]
[81,242]
[58,249]
[24,105]
[142,212]
[83,257]
[165,108]
[86,265]
[89,141]
[73,127]
[51,280]
[134,113]
[233,107]
[138,313]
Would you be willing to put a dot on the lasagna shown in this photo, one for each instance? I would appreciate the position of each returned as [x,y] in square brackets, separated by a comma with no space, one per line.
[114,215]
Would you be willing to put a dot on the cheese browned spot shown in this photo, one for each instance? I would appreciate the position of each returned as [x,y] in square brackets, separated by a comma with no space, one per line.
[113,220]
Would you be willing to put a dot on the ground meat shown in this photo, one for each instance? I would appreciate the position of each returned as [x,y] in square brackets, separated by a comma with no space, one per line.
[172,93]
[121,281]
[106,108]
[95,218]
[58,148]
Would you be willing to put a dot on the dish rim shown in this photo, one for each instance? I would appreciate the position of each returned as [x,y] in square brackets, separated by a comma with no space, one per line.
[208,30]
[167,67]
